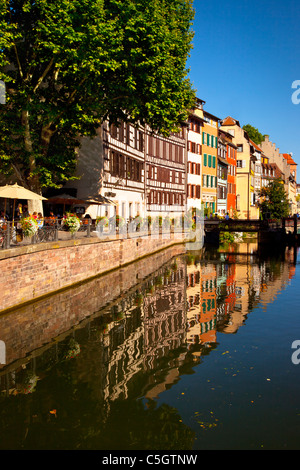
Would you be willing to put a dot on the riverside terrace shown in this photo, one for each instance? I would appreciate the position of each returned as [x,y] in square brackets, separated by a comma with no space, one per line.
[285,230]
[39,269]
[11,235]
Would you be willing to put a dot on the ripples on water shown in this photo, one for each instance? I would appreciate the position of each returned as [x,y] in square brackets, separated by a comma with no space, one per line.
[194,355]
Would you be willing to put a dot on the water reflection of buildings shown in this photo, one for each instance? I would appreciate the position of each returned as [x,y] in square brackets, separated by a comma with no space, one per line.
[221,293]
[167,321]
[162,330]
[202,305]
[130,337]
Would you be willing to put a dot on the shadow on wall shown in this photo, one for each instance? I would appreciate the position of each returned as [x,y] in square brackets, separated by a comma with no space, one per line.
[90,167]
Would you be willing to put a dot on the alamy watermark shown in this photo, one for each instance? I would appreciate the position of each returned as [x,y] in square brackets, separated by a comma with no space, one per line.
[2,92]
[186,228]
[296,354]
[296,94]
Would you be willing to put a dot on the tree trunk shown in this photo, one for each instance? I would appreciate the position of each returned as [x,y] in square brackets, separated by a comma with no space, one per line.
[33,179]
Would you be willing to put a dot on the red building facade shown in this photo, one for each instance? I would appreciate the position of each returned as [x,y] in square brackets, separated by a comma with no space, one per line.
[231,150]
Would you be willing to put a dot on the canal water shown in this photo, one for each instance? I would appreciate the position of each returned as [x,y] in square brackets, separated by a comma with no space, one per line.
[181,351]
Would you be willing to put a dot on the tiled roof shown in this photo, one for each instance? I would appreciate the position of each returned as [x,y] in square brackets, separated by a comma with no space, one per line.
[229,121]
[255,146]
[289,159]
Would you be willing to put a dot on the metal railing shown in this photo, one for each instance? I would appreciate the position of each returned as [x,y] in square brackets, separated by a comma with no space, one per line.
[12,235]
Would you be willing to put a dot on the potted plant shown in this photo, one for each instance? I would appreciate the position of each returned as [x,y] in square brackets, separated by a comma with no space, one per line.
[101,222]
[29,226]
[72,222]
[120,221]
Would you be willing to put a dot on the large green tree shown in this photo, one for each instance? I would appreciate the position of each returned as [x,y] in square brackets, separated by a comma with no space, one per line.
[274,203]
[69,65]
[253,133]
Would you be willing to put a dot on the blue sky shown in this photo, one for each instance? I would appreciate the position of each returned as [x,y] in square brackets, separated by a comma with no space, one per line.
[245,57]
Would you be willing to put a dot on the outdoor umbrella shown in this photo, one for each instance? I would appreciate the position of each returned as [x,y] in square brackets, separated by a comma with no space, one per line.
[100,200]
[14,191]
[65,199]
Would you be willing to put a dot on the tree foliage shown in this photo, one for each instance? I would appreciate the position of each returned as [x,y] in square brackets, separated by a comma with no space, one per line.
[253,134]
[72,64]
[275,204]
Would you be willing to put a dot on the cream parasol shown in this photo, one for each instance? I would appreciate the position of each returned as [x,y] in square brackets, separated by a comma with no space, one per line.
[15,191]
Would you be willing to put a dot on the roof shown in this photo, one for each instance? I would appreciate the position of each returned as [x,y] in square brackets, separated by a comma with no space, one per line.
[222,160]
[278,172]
[193,115]
[226,138]
[289,159]
[255,146]
[229,121]
[211,115]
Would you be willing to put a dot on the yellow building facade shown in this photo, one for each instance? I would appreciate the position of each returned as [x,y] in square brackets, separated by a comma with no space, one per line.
[209,161]
[246,205]
[209,155]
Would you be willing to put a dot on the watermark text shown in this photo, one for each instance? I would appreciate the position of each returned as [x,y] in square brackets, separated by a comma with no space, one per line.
[296,94]
[296,353]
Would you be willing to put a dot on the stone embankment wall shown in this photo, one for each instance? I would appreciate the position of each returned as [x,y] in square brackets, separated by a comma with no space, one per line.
[35,325]
[30,272]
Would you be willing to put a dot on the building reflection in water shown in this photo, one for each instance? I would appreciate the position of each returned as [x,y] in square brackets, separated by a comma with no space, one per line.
[142,341]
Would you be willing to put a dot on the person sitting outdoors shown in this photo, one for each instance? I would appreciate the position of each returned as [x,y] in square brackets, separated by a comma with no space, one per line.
[25,212]
[40,220]
[85,219]
[19,211]
[2,217]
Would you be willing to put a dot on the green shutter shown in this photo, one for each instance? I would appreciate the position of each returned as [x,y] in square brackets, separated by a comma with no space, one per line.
[203,137]
[205,160]
[207,139]
[214,162]
[209,161]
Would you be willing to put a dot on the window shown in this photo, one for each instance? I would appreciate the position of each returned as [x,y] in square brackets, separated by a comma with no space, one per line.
[194,126]
[134,169]
[239,147]
[117,165]
[241,163]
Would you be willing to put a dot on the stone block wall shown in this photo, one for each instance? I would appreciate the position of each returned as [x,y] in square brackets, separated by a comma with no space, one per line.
[35,271]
